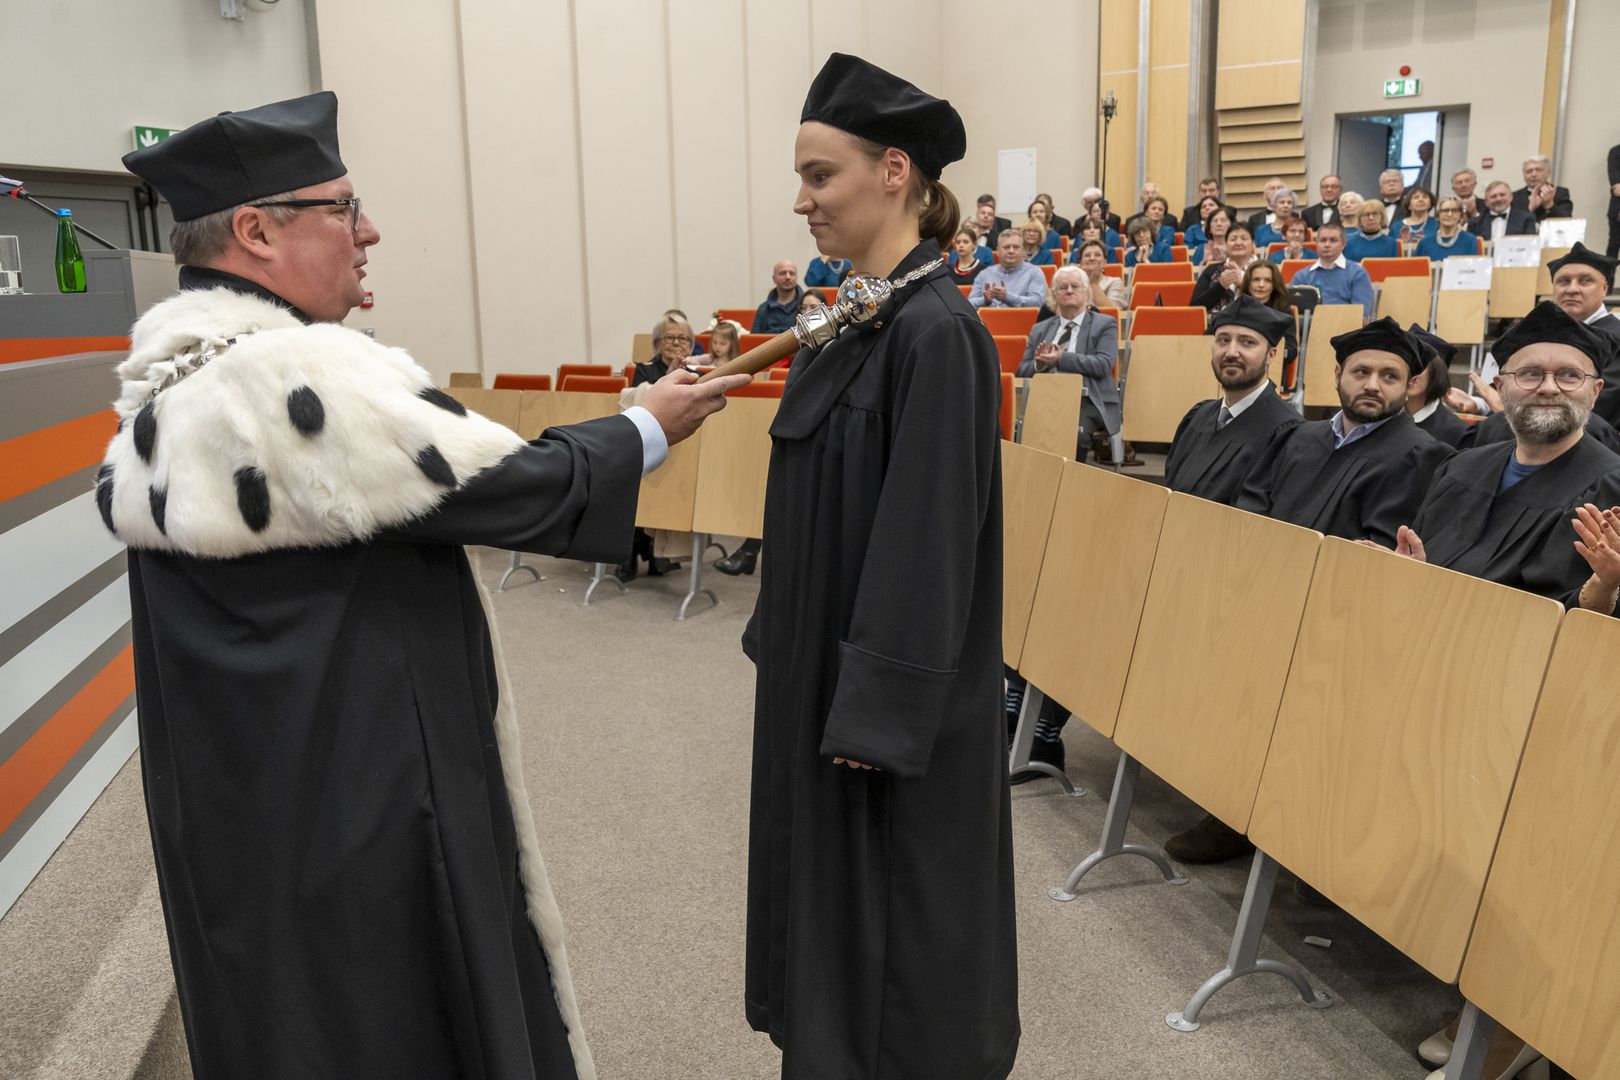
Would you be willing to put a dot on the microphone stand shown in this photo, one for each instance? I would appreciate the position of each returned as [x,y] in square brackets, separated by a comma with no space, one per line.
[22,194]
[1108,110]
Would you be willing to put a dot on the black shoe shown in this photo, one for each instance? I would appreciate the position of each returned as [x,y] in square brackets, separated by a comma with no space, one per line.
[740,561]
[626,572]
[658,567]
[1050,753]
[1209,841]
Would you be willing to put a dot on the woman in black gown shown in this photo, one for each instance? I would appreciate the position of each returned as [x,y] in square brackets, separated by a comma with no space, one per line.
[881,941]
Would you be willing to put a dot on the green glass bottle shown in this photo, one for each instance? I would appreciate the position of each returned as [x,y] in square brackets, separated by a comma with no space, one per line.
[69,260]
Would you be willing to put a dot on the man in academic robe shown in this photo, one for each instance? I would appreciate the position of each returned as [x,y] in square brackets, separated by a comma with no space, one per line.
[349,871]
[1503,511]
[1425,398]
[1359,475]
[1216,443]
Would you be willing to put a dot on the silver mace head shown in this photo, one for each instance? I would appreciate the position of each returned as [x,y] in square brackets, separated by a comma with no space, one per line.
[859,299]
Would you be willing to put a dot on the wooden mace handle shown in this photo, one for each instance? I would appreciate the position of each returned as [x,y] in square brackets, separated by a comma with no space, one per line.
[757,359]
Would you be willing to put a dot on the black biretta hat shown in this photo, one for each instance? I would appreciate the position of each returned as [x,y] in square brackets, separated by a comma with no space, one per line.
[1582,255]
[861,98]
[1384,335]
[1442,348]
[1247,311]
[1549,322]
[237,157]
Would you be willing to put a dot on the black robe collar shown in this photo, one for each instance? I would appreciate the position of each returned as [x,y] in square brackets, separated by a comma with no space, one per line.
[1218,446]
[206,277]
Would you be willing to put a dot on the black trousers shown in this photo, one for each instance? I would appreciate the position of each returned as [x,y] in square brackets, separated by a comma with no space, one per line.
[1613,249]
[1091,422]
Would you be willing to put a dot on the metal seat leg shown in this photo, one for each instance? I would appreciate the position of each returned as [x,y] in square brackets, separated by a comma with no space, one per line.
[694,587]
[1024,738]
[1116,447]
[1244,957]
[599,574]
[1472,1044]
[1113,838]
[518,564]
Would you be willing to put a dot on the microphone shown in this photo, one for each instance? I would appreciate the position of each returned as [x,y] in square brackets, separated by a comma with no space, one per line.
[16,189]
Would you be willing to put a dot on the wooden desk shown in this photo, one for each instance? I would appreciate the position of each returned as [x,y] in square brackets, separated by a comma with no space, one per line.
[466,379]
[736,457]
[1544,958]
[501,406]
[1544,275]
[1169,374]
[1211,657]
[1327,322]
[1407,300]
[1029,487]
[1399,734]
[1459,315]
[1513,291]
[1052,413]
[1094,579]
[669,494]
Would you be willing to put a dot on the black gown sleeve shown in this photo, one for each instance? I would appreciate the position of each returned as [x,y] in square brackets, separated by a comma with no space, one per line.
[1254,493]
[899,661]
[1209,292]
[571,493]
[1396,493]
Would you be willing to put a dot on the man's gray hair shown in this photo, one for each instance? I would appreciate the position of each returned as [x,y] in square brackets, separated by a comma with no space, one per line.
[1396,173]
[1460,172]
[1091,194]
[1280,192]
[200,240]
[665,323]
[1494,184]
[1542,158]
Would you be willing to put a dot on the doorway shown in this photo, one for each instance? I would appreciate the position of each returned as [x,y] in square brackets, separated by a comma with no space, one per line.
[1427,145]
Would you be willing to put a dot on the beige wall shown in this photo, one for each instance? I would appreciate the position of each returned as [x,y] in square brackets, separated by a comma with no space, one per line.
[1591,125]
[1488,54]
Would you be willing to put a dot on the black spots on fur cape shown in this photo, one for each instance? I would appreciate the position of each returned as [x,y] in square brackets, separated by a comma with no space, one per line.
[306,412]
[253,498]
[434,396]
[434,467]
[146,431]
[159,499]
[104,495]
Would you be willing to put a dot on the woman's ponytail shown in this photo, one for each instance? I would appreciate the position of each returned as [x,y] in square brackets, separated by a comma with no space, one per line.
[940,216]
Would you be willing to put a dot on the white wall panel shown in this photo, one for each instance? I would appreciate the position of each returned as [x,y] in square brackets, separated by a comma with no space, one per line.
[779,73]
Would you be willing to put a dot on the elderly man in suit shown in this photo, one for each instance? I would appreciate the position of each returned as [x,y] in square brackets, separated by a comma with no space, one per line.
[1500,217]
[1078,341]
[1540,195]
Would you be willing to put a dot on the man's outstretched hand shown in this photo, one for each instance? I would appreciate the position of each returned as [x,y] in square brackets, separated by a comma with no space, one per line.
[680,407]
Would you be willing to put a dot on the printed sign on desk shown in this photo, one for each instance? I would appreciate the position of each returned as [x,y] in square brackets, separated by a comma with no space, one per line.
[1465,272]
[1517,251]
[1562,232]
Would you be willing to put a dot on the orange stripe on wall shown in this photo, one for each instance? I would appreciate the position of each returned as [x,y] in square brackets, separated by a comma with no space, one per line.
[24,774]
[16,350]
[31,461]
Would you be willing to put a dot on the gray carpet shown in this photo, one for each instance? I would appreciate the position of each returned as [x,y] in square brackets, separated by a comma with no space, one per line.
[637,744]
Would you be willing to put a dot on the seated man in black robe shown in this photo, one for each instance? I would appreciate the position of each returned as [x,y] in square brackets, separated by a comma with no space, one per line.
[1426,395]
[1360,475]
[1502,511]
[1217,442]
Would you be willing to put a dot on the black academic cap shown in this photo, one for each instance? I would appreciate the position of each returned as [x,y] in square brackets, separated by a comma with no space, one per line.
[1585,256]
[1249,312]
[861,98]
[1384,335]
[1549,322]
[237,157]
[1442,348]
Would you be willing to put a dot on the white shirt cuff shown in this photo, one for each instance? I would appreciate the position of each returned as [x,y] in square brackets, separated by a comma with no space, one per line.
[654,445]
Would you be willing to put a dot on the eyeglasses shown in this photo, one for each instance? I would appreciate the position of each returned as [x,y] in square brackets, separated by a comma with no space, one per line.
[303,204]
[678,339]
[1531,378]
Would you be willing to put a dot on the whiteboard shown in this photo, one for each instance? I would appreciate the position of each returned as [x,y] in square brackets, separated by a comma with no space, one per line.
[1015,183]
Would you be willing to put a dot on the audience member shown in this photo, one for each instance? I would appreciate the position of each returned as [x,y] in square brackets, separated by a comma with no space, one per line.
[1149,190]
[1010,282]
[1318,214]
[1613,248]
[1463,183]
[1157,211]
[1221,281]
[1350,211]
[1258,218]
[1391,185]
[1414,214]
[1090,229]
[984,225]
[1110,235]
[1425,177]
[1282,208]
[1192,230]
[811,299]
[1540,195]
[1208,188]
[826,272]
[1078,341]
[1263,282]
[1145,242]
[967,257]
[1216,443]
[1333,275]
[672,344]
[1057,221]
[1093,197]
[985,207]
[725,342]
[781,304]
[1501,218]
[1293,241]
[1106,289]
[1426,393]
[1448,237]
[1372,240]
[1212,248]
[1039,211]
[1035,235]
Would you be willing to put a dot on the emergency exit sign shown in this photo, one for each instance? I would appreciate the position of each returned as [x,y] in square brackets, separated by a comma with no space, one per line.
[1400,88]
[151,136]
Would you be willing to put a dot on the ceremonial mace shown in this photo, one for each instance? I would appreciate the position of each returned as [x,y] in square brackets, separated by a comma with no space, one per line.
[859,300]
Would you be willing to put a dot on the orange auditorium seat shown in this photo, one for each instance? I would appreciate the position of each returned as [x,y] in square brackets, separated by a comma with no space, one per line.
[760,388]
[1008,320]
[523,382]
[1171,271]
[965,289]
[1116,270]
[1161,294]
[594,384]
[1185,321]
[1181,238]
[1178,254]
[829,293]
[1290,267]
[565,370]
[629,374]
[742,315]
[1048,271]
[1011,348]
[1008,399]
[1379,269]
[779,374]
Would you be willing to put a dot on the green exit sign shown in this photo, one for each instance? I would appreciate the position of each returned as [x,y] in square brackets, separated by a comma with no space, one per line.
[151,136]
[1400,88]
